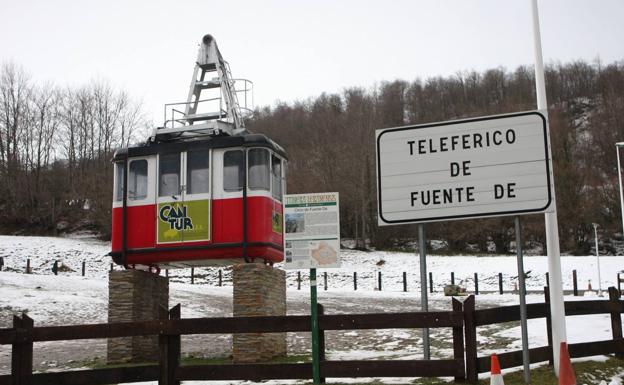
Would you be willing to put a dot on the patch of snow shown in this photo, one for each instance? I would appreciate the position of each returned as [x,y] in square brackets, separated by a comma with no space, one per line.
[70,298]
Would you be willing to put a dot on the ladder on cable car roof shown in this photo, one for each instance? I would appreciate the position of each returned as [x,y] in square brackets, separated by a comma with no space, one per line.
[220,112]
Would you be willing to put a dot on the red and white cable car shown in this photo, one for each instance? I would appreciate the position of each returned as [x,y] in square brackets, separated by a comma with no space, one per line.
[202,191]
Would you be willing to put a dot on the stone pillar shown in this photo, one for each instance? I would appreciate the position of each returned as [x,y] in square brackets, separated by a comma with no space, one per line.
[259,290]
[135,295]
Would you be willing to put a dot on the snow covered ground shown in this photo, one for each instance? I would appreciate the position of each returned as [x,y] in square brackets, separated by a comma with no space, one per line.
[70,298]
[71,252]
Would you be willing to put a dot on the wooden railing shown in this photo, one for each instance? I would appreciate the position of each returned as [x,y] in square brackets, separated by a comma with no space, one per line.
[463,320]
[482,317]
[170,328]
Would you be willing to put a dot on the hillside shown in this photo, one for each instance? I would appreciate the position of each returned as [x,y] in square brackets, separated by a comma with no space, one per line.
[56,145]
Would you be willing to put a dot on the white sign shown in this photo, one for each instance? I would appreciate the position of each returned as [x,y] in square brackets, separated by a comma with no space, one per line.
[311,231]
[480,167]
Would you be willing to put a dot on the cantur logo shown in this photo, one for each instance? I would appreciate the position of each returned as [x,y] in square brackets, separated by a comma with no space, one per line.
[176,217]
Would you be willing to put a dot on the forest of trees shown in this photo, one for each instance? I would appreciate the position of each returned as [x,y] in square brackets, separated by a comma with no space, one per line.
[56,145]
[330,140]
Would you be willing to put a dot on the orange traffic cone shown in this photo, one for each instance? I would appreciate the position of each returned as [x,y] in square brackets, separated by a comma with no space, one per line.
[496,378]
[566,371]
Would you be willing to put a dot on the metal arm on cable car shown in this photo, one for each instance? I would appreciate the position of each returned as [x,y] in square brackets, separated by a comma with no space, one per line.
[220,113]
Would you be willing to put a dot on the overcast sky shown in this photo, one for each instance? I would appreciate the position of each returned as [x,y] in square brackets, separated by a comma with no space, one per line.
[293,50]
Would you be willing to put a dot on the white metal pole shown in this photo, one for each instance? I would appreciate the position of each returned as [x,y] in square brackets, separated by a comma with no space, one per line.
[598,259]
[557,309]
[617,148]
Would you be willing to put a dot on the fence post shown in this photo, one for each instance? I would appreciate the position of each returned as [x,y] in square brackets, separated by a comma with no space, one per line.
[28,266]
[220,278]
[111,267]
[458,343]
[500,283]
[192,275]
[355,280]
[452,277]
[321,312]
[298,280]
[325,280]
[22,350]
[476,279]
[55,268]
[618,279]
[169,347]
[472,371]
[379,279]
[84,268]
[430,282]
[551,360]
[404,281]
[574,283]
[167,273]
[163,375]
[616,317]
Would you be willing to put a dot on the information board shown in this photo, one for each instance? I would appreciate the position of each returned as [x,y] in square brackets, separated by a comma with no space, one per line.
[311,231]
[490,166]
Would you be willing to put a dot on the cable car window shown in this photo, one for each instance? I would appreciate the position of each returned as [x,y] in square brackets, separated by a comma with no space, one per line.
[119,176]
[259,169]
[137,180]
[233,170]
[198,172]
[169,178]
[276,177]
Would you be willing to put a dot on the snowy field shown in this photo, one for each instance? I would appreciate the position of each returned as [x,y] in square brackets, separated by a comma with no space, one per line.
[70,298]
[71,252]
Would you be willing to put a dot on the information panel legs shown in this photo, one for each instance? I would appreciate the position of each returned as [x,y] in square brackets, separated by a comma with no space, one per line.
[523,309]
[316,367]
[422,248]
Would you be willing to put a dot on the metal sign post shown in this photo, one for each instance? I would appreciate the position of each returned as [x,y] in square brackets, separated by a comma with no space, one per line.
[472,168]
[316,364]
[424,301]
[523,309]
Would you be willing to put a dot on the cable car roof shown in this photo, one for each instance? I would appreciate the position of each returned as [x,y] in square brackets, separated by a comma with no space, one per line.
[152,148]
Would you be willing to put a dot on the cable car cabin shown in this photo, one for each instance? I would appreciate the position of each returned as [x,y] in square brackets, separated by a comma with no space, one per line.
[206,201]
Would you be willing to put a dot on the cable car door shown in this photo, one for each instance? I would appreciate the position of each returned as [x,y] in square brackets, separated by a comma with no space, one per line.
[196,195]
[183,203]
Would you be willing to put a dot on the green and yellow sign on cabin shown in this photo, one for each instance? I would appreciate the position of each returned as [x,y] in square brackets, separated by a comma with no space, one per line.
[184,221]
